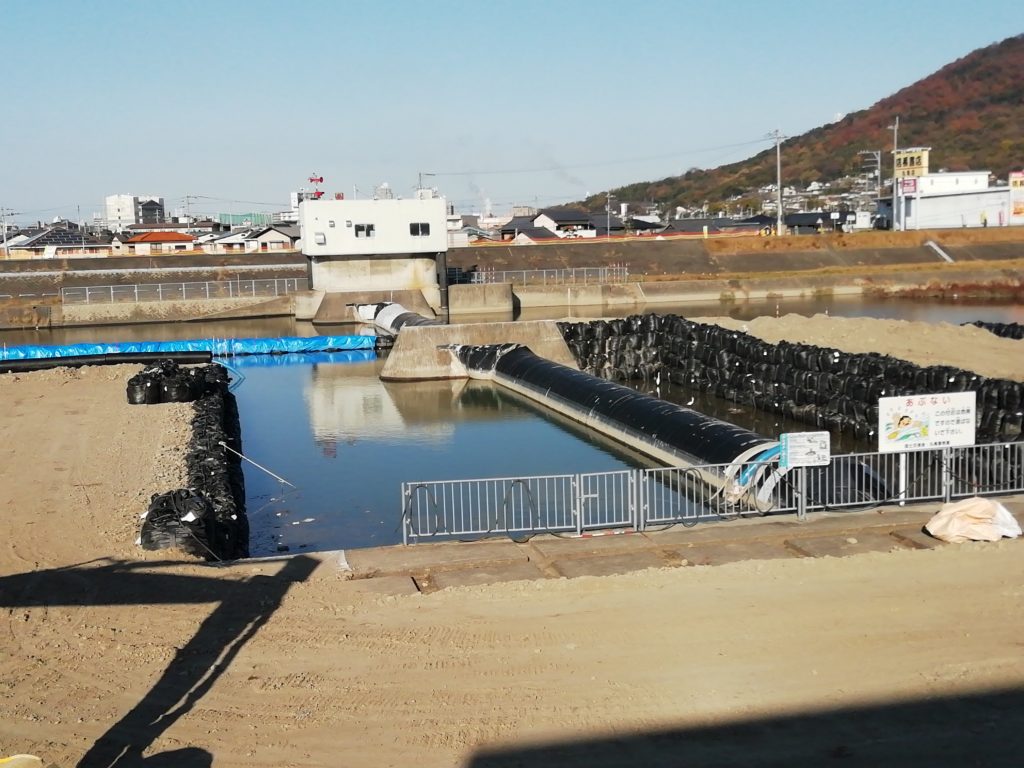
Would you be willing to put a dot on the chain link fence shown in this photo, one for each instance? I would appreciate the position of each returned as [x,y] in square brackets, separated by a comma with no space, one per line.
[191,291]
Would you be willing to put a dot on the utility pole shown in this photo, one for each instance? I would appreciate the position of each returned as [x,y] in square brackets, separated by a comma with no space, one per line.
[608,216]
[4,213]
[780,217]
[876,155]
[895,182]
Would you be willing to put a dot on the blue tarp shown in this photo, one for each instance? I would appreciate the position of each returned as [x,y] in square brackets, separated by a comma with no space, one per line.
[219,347]
[306,358]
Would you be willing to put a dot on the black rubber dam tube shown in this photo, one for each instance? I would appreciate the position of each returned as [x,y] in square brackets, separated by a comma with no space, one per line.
[672,434]
[76,361]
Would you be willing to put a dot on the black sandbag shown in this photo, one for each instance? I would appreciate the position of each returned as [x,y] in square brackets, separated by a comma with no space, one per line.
[180,519]
[143,390]
[176,389]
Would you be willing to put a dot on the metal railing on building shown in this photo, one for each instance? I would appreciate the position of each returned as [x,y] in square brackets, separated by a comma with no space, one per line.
[185,291]
[646,499]
[618,273]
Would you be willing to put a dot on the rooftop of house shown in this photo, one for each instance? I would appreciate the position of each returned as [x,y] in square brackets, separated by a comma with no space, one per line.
[161,237]
[58,236]
[564,215]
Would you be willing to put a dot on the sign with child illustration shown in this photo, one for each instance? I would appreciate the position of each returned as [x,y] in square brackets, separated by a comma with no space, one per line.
[918,422]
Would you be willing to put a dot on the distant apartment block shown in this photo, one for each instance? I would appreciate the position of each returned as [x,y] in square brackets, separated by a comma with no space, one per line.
[122,211]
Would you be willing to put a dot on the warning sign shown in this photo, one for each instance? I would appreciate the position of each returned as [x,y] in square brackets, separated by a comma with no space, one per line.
[917,422]
[805,449]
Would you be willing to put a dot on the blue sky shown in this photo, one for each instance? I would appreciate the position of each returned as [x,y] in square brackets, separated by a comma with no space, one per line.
[526,102]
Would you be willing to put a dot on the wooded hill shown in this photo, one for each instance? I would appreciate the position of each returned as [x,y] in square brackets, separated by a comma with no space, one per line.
[970,113]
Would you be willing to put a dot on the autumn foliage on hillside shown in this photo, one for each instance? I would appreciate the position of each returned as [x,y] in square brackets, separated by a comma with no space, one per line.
[970,113]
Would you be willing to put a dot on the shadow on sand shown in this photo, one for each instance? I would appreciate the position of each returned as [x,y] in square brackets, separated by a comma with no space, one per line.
[242,607]
[971,730]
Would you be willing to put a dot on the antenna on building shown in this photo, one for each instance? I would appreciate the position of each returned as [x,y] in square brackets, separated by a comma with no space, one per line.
[316,181]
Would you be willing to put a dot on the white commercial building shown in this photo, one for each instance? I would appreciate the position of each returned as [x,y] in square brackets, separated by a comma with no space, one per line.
[947,200]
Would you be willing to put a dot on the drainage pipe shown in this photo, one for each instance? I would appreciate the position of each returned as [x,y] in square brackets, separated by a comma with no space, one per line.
[390,317]
[77,361]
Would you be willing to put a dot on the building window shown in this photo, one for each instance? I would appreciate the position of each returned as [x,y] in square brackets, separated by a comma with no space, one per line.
[364,230]
[419,229]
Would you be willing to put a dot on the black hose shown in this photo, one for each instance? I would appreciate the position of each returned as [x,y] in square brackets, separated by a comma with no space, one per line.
[114,358]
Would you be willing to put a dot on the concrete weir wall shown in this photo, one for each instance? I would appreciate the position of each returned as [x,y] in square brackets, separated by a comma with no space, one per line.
[174,311]
[475,298]
[416,355]
[766,287]
[337,275]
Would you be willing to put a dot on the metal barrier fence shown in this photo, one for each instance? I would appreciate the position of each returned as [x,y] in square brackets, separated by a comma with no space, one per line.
[223,289]
[644,499]
[572,276]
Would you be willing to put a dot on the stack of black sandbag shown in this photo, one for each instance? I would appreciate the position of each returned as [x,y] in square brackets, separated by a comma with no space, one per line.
[165,382]
[1003,330]
[216,527]
[815,385]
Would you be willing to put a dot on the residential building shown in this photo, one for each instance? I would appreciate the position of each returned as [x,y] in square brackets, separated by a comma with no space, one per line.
[197,228]
[264,239]
[153,243]
[56,242]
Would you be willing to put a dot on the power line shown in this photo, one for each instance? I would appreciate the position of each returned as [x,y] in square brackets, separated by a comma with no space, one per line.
[243,202]
[598,164]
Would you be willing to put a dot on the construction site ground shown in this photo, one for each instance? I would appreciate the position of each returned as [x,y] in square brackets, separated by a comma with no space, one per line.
[432,566]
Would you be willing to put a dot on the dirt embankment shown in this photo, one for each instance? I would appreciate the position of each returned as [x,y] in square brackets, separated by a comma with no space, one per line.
[652,258]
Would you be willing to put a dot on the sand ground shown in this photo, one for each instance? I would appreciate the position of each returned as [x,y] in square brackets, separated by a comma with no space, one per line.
[113,656]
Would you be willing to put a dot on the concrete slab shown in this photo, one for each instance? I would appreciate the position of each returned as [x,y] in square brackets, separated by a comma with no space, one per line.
[381,585]
[730,552]
[842,546]
[915,538]
[490,574]
[556,546]
[416,355]
[787,526]
[609,565]
[423,557]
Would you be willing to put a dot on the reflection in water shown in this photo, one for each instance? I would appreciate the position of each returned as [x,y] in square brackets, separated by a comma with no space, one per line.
[349,403]
[348,441]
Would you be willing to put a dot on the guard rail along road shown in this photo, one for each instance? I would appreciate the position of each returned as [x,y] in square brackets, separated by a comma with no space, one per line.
[646,499]
[225,289]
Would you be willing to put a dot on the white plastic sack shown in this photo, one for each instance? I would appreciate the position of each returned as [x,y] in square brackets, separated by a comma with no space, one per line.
[973,519]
